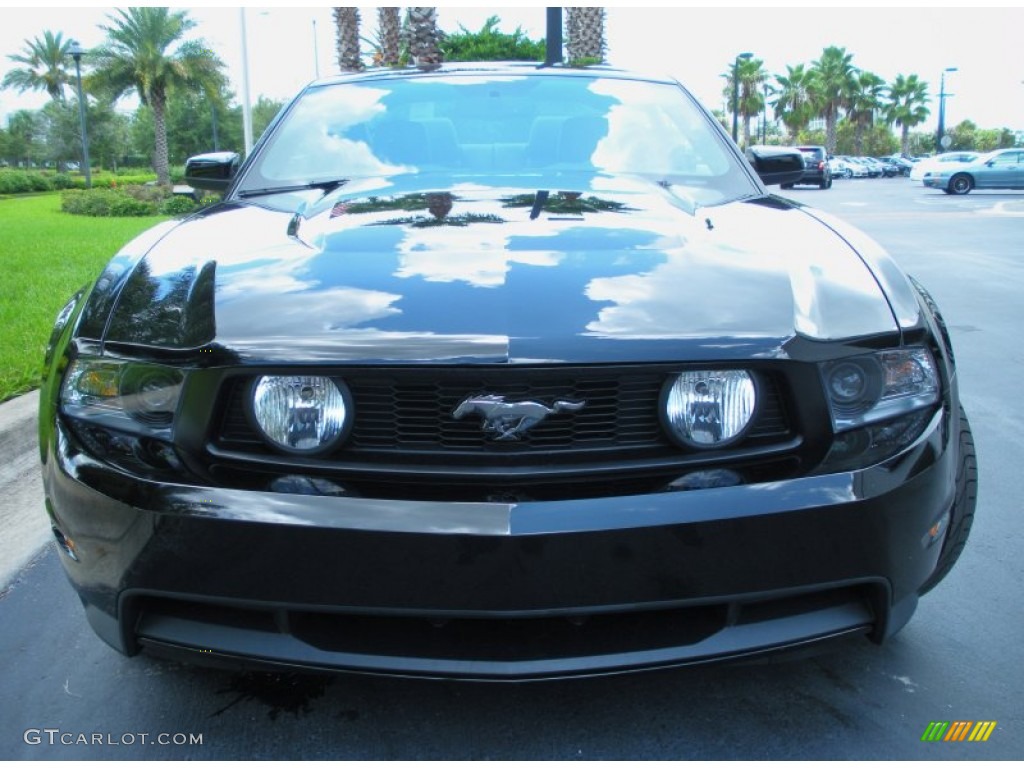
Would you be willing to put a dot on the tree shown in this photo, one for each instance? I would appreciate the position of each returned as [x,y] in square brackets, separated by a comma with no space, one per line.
[751,76]
[264,110]
[491,45]
[145,51]
[906,107]
[832,82]
[422,37]
[108,134]
[59,132]
[865,101]
[585,35]
[793,101]
[21,137]
[875,140]
[389,34]
[45,69]
[346,25]
[964,136]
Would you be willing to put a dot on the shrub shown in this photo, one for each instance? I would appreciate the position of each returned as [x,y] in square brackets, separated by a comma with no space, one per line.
[126,205]
[178,205]
[61,181]
[13,182]
[105,202]
[147,193]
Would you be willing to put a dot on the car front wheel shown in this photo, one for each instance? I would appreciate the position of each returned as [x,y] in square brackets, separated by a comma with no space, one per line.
[961,184]
[962,514]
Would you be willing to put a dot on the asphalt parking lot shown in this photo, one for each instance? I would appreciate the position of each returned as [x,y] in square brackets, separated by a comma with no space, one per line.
[67,696]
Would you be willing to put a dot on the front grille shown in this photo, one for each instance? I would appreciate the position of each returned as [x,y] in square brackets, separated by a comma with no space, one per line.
[409,413]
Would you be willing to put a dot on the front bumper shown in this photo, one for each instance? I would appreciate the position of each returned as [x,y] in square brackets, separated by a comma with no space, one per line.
[499,591]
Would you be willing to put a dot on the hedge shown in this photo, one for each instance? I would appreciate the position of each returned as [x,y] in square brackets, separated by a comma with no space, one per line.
[132,200]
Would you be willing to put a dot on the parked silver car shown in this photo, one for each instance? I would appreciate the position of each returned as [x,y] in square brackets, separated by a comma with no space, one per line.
[1002,169]
[938,161]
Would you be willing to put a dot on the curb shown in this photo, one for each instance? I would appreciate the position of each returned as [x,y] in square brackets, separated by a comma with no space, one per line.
[18,427]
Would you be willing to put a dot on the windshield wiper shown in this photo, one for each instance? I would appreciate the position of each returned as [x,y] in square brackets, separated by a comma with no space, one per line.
[326,186]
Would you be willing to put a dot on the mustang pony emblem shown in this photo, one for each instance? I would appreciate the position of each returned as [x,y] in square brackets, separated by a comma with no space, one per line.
[510,420]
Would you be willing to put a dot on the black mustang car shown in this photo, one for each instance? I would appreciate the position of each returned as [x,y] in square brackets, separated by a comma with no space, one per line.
[498,372]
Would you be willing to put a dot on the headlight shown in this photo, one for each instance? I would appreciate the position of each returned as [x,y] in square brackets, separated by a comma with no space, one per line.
[870,388]
[120,393]
[300,414]
[709,409]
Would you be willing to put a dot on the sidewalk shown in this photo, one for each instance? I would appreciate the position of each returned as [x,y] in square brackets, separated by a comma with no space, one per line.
[17,427]
[24,528]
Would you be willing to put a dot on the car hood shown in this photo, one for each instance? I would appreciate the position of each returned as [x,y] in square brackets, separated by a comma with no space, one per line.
[624,271]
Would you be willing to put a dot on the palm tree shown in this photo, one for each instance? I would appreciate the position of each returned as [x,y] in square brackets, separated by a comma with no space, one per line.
[346,23]
[793,101]
[833,80]
[423,37]
[906,108]
[389,33]
[45,66]
[145,51]
[865,101]
[585,35]
[751,76]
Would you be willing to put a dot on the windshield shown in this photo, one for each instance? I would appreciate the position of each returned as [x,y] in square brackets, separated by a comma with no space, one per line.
[487,128]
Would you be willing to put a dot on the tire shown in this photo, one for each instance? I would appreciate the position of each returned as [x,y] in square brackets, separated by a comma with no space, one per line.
[826,184]
[962,515]
[961,184]
[786,186]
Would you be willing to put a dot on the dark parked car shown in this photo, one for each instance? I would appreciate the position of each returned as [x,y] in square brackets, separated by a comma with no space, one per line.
[816,168]
[903,165]
[498,372]
[890,168]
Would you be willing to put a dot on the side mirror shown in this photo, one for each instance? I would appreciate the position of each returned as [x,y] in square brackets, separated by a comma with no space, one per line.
[213,171]
[776,165]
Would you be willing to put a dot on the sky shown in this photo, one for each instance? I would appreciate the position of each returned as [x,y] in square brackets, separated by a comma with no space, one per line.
[288,47]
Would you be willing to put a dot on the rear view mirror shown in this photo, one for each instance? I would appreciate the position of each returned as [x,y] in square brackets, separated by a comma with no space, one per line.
[213,171]
[776,165]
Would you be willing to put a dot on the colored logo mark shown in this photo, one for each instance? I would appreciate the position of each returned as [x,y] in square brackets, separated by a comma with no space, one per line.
[959,730]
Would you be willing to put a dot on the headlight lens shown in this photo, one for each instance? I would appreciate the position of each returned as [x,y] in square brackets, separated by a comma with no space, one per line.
[708,409]
[119,391]
[301,414]
[870,388]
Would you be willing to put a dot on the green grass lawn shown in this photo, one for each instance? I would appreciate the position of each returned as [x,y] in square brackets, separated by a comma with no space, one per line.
[45,256]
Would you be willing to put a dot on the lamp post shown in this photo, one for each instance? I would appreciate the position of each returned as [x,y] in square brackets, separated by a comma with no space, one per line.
[764,115]
[76,52]
[736,94]
[942,109]
[246,103]
[316,54]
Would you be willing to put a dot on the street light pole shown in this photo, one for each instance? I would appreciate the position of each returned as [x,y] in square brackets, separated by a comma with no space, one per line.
[76,52]
[764,115]
[246,104]
[736,94]
[316,54]
[942,109]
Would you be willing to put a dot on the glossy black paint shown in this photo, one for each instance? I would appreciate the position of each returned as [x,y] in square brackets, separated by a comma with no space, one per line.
[583,278]
[552,270]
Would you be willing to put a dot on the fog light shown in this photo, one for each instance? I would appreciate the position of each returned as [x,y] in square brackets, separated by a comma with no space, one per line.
[709,409]
[300,414]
